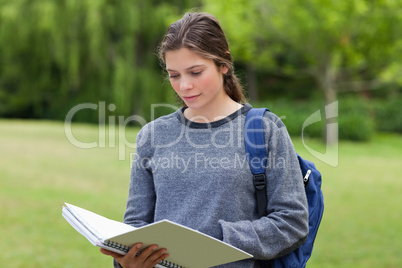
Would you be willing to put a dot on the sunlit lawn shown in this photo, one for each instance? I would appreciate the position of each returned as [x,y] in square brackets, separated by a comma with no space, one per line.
[40,170]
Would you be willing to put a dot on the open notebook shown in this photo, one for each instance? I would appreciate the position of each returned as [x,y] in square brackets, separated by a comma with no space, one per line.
[186,247]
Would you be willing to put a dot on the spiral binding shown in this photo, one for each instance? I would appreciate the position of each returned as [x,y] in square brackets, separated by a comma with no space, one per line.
[124,248]
[117,246]
[169,264]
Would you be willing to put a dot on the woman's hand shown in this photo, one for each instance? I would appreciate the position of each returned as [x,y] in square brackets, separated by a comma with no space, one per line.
[147,258]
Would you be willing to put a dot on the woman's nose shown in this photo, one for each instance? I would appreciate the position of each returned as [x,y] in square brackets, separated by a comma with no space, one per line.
[185,84]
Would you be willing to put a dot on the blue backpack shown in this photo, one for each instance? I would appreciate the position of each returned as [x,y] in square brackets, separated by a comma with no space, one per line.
[255,149]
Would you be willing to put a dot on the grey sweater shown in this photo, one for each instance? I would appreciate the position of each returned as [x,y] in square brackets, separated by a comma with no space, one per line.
[197,174]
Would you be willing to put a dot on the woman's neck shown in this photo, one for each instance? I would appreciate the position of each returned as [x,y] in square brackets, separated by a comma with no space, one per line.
[212,114]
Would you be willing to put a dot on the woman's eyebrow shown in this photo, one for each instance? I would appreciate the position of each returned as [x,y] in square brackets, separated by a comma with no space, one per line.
[189,68]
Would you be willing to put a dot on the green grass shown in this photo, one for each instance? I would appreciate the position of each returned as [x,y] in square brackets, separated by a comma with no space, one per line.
[40,170]
[362,218]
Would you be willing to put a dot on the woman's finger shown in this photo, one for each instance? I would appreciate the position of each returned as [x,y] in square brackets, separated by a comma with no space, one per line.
[110,253]
[134,251]
[158,256]
[145,253]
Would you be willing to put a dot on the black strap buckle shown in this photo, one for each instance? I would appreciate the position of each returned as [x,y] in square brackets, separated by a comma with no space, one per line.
[260,181]
[260,184]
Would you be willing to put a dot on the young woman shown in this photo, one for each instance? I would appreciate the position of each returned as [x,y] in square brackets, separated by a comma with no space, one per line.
[190,166]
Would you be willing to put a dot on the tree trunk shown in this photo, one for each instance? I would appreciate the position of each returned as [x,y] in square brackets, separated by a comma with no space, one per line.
[326,79]
[331,113]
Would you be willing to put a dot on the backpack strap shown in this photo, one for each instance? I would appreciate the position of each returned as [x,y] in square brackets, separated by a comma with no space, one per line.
[256,154]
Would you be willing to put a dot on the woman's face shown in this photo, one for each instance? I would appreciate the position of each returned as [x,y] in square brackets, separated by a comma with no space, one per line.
[197,80]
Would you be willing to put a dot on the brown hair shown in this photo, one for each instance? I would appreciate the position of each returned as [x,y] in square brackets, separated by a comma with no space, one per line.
[202,34]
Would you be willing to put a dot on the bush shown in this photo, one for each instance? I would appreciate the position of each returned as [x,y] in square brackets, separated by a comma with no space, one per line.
[355,127]
[388,115]
[294,114]
[354,120]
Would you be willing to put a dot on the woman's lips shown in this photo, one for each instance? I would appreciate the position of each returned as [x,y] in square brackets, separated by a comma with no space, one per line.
[191,98]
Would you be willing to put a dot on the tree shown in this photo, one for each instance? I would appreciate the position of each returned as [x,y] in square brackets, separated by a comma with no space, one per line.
[238,20]
[337,43]
[57,54]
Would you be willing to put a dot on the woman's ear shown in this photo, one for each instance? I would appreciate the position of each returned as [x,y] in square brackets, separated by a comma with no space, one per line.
[224,69]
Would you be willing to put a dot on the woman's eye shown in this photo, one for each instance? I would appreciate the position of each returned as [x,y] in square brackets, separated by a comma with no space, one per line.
[172,76]
[196,73]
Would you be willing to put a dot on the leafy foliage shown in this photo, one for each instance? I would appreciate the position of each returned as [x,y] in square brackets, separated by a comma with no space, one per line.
[57,54]
[355,119]
[388,114]
[341,45]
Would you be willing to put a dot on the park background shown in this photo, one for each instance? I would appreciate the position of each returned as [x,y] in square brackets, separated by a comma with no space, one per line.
[295,57]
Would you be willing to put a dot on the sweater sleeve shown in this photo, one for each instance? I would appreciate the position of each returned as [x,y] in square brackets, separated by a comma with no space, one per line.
[286,226]
[141,197]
